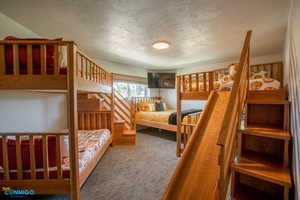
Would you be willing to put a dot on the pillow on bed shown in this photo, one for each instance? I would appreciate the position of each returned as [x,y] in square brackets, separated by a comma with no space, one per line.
[161,106]
[152,107]
[232,70]
[223,78]
[164,106]
[258,75]
[144,106]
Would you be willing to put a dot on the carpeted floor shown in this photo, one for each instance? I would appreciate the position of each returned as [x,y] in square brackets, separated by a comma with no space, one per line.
[138,172]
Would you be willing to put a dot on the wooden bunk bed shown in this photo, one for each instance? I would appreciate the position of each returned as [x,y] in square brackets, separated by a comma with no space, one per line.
[242,136]
[34,160]
[197,86]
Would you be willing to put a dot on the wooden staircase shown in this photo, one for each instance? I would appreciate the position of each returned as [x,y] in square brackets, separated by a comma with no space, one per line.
[124,128]
[124,115]
[260,170]
[122,135]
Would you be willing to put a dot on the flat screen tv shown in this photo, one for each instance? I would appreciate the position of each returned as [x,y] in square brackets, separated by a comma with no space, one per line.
[161,80]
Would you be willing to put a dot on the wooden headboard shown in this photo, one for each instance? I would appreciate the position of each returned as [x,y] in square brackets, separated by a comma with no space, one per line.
[138,100]
[145,99]
[274,70]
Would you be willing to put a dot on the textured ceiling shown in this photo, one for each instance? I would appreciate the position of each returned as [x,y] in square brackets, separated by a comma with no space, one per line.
[122,31]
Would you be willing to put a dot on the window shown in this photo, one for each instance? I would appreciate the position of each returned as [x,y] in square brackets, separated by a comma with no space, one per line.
[129,89]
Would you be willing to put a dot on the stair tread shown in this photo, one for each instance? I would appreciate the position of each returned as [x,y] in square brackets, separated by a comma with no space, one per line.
[129,132]
[266,131]
[268,101]
[263,167]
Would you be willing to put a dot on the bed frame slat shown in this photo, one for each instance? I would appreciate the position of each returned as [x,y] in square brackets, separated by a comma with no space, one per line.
[45,157]
[58,157]
[16,59]
[43,60]
[32,157]
[2,59]
[81,66]
[5,158]
[56,56]
[204,81]
[86,70]
[19,158]
[29,59]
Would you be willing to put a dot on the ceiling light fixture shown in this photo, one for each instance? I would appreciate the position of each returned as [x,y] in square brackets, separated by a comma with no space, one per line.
[161,44]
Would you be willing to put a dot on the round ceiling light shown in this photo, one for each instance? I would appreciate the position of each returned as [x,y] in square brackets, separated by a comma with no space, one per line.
[161,44]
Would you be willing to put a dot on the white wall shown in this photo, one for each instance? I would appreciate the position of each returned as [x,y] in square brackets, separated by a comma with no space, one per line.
[120,68]
[169,95]
[31,111]
[292,80]
[11,27]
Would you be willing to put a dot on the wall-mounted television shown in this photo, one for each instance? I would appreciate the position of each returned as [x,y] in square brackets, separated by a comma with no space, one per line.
[161,80]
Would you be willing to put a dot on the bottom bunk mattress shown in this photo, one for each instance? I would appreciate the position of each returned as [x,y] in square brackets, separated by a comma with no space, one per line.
[90,143]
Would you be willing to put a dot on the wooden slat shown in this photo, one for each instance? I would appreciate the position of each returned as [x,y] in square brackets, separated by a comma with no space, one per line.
[105,119]
[55,56]
[98,74]
[211,80]
[121,110]
[184,87]
[122,102]
[5,158]
[29,59]
[58,157]
[16,59]
[2,60]
[19,158]
[32,157]
[190,83]
[88,121]
[204,81]
[86,69]
[94,122]
[81,66]
[43,60]
[45,157]
[197,82]
[93,72]
[81,121]
[122,117]
[178,116]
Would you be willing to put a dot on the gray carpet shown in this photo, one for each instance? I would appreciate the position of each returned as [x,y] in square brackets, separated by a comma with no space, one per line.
[138,172]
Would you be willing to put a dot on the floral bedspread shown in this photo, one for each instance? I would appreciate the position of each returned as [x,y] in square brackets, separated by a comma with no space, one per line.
[254,84]
[90,142]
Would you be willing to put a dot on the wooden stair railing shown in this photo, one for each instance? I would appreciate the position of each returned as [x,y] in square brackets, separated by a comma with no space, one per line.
[233,115]
[123,108]
[204,169]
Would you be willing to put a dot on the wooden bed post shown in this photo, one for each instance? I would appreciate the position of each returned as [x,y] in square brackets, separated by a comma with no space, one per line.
[112,105]
[178,114]
[212,78]
[72,122]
